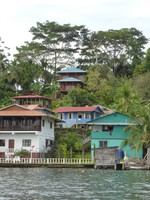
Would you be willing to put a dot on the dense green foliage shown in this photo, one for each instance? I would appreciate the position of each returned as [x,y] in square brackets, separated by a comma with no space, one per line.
[69,145]
[117,65]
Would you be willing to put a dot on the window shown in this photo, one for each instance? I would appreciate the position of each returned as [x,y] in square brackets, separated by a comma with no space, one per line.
[107,128]
[51,125]
[87,115]
[103,144]
[49,142]
[43,123]
[26,143]
[79,116]
[70,115]
[2,143]
[61,115]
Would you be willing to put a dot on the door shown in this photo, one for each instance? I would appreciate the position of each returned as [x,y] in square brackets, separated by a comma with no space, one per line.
[11,144]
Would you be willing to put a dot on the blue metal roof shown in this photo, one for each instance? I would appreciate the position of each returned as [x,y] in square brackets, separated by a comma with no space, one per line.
[70,79]
[72,70]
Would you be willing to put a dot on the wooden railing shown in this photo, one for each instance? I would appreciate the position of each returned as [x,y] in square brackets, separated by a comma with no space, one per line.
[20,127]
[75,161]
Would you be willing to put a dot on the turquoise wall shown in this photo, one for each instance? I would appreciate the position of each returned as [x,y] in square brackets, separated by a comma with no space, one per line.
[114,139]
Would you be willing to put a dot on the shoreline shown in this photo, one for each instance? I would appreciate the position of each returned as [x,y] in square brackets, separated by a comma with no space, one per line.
[31,165]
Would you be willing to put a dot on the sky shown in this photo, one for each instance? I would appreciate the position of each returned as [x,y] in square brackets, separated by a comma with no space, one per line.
[18,16]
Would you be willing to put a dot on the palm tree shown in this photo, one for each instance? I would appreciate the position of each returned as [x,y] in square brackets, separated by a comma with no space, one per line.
[139,130]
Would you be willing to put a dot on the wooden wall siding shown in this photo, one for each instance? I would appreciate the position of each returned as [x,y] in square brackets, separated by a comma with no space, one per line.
[74,75]
[106,156]
[148,156]
[68,87]
[38,101]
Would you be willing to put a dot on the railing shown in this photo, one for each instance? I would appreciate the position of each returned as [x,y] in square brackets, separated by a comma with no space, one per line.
[74,161]
[20,127]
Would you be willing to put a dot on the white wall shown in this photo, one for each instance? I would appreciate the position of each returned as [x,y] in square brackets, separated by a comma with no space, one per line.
[38,139]
[18,137]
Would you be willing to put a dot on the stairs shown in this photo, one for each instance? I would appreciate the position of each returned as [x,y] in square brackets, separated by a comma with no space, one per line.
[86,140]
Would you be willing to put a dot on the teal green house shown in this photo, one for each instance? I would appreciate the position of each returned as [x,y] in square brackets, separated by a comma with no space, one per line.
[108,131]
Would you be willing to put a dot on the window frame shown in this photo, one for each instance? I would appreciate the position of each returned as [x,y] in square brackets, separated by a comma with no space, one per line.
[2,143]
[103,144]
[107,128]
[51,125]
[26,142]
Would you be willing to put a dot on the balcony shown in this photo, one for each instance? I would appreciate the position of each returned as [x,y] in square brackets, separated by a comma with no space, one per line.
[20,127]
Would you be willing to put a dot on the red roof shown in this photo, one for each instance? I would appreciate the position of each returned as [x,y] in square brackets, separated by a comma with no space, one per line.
[76,109]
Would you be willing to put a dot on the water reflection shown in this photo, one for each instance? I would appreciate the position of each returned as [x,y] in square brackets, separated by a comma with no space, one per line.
[66,184]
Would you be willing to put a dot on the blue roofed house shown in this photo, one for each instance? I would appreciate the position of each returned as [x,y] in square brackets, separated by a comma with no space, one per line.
[108,131]
[78,116]
[70,78]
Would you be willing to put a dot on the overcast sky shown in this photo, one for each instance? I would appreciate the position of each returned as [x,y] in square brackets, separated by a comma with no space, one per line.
[18,16]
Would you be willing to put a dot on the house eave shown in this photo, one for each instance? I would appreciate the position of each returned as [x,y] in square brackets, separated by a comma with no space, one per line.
[104,123]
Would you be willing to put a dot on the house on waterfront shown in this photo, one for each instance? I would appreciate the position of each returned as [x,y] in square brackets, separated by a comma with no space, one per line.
[78,116]
[29,127]
[108,132]
[70,78]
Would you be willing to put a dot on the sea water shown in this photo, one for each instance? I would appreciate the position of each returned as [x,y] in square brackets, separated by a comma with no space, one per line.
[66,184]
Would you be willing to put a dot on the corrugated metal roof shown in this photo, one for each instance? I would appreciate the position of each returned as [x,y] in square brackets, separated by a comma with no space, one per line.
[71,70]
[75,109]
[70,79]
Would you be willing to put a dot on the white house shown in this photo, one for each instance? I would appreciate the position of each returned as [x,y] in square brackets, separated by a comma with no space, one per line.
[25,127]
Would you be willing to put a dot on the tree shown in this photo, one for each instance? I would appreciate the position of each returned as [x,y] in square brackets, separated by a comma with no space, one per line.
[4,54]
[126,99]
[146,63]
[139,132]
[53,43]
[98,83]
[6,88]
[68,145]
[78,97]
[121,50]
[23,74]
[142,86]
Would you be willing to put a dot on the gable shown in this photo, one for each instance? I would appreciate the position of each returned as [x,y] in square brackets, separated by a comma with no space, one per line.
[112,118]
[14,107]
[17,110]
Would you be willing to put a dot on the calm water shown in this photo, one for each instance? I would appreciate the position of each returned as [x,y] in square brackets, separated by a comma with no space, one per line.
[65,184]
